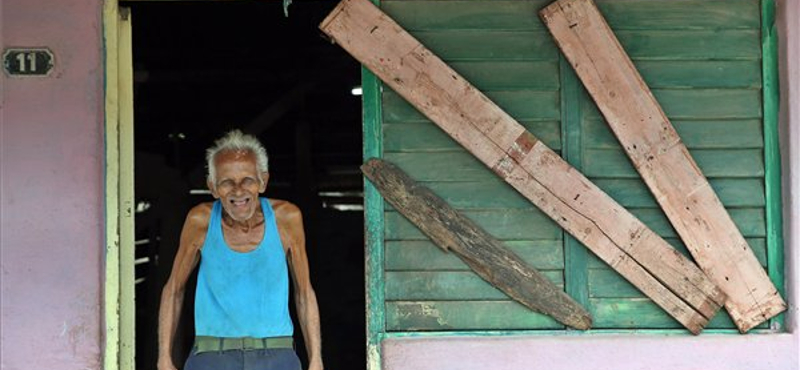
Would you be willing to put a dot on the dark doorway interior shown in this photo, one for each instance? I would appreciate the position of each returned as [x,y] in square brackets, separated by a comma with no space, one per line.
[203,68]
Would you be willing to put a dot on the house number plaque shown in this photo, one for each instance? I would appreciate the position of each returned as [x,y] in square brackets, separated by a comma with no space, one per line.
[28,62]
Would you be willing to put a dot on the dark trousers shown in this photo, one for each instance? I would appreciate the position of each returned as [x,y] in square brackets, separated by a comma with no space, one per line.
[237,359]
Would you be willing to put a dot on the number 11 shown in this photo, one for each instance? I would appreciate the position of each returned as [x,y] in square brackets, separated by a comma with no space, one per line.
[31,58]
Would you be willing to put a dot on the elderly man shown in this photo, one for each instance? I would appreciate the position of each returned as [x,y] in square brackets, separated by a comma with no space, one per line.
[246,247]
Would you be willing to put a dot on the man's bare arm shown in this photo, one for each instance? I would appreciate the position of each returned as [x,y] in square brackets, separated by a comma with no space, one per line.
[290,222]
[192,238]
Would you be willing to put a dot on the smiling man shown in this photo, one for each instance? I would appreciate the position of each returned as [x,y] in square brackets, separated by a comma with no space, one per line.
[247,247]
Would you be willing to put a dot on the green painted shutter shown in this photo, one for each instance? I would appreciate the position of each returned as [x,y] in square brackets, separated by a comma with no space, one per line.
[703,61]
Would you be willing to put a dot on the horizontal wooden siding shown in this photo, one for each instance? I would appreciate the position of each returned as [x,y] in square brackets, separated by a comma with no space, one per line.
[701,59]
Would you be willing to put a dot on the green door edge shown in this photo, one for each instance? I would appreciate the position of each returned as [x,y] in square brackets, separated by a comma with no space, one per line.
[772,155]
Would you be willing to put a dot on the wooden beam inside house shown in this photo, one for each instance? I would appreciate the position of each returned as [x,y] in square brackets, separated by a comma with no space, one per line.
[501,143]
[663,161]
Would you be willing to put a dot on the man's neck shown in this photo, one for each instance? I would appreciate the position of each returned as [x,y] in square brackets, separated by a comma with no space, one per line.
[245,225]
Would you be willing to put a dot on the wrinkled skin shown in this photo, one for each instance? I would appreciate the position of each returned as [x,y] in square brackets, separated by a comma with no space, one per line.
[237,186]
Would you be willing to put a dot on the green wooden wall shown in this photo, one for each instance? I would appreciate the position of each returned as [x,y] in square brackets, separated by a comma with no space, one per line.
[703,61]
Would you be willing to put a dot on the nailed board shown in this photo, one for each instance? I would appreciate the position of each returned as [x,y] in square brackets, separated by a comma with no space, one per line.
[483,253]
[663,160]
[538,173]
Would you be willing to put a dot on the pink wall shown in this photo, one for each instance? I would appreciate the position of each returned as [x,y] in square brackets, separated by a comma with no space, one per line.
[51,190]
[646,352]
[789,29]
[51,226]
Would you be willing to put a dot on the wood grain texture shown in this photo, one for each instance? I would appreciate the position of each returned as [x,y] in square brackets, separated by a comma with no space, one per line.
[663,161]
[484,254]
[523,161]
[463,315]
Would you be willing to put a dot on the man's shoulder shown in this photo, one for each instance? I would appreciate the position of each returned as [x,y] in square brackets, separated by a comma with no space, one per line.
[285,211]
[200,214]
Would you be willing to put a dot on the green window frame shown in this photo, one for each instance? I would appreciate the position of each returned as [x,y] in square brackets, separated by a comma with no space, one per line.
[711,64]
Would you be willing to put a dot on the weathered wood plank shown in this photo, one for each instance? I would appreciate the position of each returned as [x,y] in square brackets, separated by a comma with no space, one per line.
[496,14]
[630,193]
[492,75]
[688,104]
[418,255]
[483,195]
[682,14]
[757,244]
[408,137]
[449,285]
[483,253]
[706,134]
[524,162]
[420,166]
[464,315]
[523,224]
[663,161]
[750,221]
[449,15]
[523,104]
[641,313]
[705,74]
[692,44]
[463,45]
[713,163]
[633,193]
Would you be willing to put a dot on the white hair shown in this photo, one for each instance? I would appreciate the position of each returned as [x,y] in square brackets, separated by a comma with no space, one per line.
[235,141]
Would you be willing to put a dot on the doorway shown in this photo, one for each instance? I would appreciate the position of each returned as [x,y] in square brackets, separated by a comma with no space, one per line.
[201,69]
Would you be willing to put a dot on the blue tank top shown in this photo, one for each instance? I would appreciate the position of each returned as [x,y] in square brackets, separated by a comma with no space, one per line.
[242,294]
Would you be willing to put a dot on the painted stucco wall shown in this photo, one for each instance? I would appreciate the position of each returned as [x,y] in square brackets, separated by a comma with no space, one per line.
[51,190]
[640,352]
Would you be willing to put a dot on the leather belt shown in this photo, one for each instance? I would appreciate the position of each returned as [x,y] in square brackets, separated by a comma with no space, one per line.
[209,344]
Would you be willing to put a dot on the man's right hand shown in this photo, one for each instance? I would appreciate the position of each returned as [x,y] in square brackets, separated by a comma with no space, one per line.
[166,365]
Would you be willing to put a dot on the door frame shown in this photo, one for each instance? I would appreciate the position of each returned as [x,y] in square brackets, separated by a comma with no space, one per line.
[120,309]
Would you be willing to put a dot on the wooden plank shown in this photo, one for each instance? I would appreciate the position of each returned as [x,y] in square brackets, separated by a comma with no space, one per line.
[425,136]
[498,75]
[449,285]
[691,44]
[449,15]
[750,221]
[502,45]
[757,244]
[523,104]
[523,224]
[483,253]
[687,104]
[461,45]
[705,134]
[641,313]
[419,255]
[500,14]
[481,195]
[537,172]
[463,315]
[708,74]
[713,163]
[682,14]
[420,166]
[745,192]
[663,160]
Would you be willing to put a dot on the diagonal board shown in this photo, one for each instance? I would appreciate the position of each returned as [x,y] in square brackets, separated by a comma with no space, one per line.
[487,256]
[611,232]
[663,161]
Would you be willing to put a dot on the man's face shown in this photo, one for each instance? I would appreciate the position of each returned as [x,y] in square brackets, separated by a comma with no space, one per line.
[238,183]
